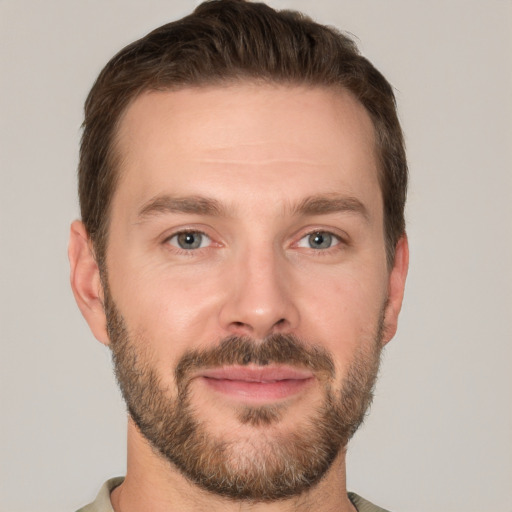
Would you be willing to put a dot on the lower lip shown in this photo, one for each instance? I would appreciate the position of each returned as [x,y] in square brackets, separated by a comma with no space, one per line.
[258,391]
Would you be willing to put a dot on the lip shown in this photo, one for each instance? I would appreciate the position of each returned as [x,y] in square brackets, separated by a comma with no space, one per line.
[257,383]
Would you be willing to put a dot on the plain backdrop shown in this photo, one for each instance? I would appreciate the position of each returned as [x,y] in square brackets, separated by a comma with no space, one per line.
[439,437]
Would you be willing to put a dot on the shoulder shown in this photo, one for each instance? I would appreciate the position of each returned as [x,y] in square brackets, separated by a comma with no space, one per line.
[102,501]
[363,505]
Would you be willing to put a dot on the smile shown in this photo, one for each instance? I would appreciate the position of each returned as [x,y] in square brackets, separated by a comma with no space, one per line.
[257,384]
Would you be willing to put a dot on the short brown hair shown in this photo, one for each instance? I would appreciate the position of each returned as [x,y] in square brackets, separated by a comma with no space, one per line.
[232,40]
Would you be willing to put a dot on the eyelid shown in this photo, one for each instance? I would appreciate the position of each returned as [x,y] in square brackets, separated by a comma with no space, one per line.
[338,234]
[166,238]
[177,234]
[336,240]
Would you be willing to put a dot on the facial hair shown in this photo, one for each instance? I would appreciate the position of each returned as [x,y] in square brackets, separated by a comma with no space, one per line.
[264,467]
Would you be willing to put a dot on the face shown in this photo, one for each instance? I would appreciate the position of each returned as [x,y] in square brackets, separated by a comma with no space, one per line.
[248,295]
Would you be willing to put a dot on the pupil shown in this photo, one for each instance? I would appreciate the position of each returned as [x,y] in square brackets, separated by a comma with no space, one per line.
[319,239]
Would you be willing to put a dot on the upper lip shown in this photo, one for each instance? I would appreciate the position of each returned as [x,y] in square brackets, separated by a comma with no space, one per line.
[256,373]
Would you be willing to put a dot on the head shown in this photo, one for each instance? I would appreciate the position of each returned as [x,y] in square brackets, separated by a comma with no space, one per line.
[242,185]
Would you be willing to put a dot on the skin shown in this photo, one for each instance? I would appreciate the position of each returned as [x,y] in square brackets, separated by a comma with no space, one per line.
[258,151]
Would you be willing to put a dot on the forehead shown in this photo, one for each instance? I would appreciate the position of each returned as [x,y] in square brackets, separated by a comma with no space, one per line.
[224,138]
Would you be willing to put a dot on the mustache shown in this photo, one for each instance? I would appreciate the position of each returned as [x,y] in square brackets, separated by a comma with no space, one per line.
[274,349]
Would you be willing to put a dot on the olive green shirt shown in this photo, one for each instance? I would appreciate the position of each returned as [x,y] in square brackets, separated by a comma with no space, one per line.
[102,502]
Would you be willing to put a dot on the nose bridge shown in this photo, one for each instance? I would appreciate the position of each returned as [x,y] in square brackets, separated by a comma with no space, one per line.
[259,300]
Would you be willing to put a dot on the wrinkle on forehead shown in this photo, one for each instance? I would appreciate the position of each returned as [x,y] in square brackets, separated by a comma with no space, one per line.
[245,105]
[263,161]
[193,141]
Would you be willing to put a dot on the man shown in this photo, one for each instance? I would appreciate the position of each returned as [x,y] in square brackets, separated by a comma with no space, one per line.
[242,251]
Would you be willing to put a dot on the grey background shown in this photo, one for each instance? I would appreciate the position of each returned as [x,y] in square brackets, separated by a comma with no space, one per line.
[439,435]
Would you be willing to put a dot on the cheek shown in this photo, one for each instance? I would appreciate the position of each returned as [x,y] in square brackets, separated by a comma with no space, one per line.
[173,309]
[343,314]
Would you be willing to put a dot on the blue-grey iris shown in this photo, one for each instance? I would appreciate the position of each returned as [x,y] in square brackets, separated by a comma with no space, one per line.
[190,240]
[320,240]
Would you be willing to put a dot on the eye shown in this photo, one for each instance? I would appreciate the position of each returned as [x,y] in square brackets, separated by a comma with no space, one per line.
[319,240]
[189,240]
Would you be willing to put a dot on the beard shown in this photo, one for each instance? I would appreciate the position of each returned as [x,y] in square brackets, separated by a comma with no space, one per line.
[269,464]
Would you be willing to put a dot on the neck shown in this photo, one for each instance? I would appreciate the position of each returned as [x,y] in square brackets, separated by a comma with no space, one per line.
[154,484]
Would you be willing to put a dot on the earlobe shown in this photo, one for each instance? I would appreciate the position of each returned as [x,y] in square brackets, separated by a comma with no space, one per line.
[396,287]
[86,282]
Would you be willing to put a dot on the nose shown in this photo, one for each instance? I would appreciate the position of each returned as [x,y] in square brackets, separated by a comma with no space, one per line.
[259,298]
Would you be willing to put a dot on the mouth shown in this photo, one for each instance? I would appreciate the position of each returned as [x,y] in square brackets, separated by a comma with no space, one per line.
[257,384]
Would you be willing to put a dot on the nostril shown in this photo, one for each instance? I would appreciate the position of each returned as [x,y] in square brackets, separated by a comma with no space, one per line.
[240,328]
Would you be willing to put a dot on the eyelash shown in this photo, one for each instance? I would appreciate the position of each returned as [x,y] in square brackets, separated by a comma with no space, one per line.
[186,252]
[340,242]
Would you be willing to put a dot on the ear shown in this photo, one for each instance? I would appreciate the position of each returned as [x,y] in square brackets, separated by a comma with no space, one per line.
[86,282]
[396,286]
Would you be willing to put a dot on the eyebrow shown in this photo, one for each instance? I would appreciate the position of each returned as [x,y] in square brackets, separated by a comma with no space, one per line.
[189,204]
[325,204]
[200,205]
